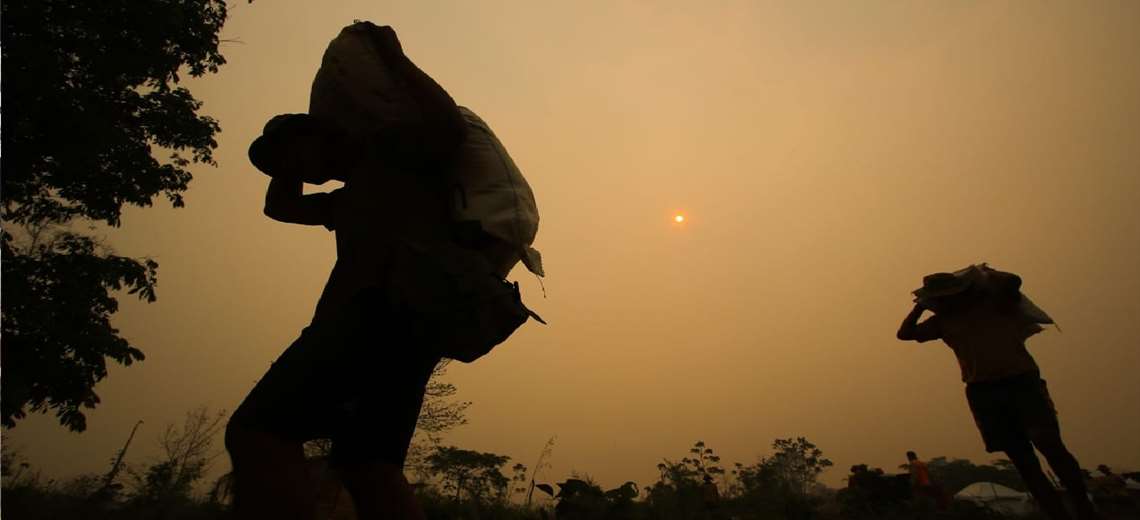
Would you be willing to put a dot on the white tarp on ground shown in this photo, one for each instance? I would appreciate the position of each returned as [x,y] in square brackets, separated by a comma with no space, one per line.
[997,497]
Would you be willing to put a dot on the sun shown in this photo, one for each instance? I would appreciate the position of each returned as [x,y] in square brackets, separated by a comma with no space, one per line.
[680,219]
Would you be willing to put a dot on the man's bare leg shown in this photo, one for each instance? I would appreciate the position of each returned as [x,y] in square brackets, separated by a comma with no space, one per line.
[1067,469]
[270,479]
[1025,460]
[380,491]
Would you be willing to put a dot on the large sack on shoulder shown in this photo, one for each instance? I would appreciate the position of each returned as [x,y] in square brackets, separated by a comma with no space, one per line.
[373,91]
[492,193]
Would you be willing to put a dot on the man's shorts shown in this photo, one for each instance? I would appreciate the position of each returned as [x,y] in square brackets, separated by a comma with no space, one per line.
[1010,412]
[358,381]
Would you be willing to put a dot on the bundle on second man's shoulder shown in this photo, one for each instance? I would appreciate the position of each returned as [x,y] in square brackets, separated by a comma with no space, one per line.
[983,282]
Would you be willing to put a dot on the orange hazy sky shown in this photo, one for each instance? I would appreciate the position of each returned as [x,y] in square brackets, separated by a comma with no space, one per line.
[826,156]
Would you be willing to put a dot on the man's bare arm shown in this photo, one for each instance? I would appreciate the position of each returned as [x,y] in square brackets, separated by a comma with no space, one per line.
[285,202]
[912,330]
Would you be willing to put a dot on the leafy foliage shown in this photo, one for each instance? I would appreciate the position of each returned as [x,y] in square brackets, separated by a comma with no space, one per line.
[91,88]
[871,493]
[187,452]
[57,333]
[440,411]
[703,461]
[686,487]
[478,474]
[518,479]
[14,467]
[784,483]
[582,498]
[794,467]
[454,493]
[91,94]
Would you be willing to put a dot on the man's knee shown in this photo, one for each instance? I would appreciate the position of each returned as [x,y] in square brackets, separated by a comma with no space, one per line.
[243,442]
[1048,441]
[1023,458]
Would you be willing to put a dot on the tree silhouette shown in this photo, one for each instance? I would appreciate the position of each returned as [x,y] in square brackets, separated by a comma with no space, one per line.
[704,462]
[479,474]
[91,99]
[797,463]
[679,487]
[440,411]
[186,454]
[784,483]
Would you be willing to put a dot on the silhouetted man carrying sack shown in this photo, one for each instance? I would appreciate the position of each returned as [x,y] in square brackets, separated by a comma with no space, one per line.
[403,293]
[982,316]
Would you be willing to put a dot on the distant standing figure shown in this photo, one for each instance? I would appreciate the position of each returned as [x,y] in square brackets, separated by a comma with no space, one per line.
[921,482]
[979,319]
[710,495]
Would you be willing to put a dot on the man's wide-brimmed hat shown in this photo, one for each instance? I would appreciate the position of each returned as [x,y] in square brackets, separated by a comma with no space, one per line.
[938,285]
[266,152]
